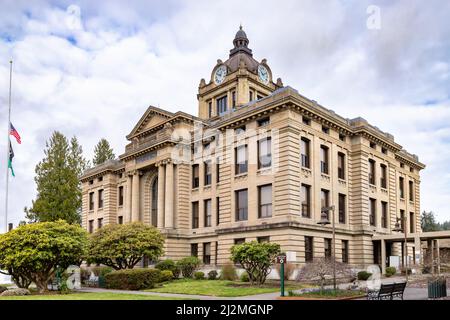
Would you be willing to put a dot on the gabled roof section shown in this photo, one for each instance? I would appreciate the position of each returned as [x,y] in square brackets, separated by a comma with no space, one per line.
[146,117]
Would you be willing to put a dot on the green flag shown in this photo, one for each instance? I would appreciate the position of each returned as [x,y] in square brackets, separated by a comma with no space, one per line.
[11,156]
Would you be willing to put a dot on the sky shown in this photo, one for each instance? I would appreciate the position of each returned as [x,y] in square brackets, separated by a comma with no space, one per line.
[91,69]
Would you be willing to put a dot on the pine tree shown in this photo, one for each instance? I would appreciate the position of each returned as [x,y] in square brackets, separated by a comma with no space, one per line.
[57,180]
[428,222]
[102,152]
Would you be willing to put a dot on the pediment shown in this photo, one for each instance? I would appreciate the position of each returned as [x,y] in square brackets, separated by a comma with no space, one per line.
[153,117]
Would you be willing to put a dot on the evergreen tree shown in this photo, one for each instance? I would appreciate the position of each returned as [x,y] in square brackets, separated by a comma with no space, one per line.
[57,180]
[428,222]
[102,152]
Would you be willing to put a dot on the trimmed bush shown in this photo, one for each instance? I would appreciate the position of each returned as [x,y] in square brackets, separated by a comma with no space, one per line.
[166,275]
[245,277]
[166,265]
[176,272]
[16,292]
[228,272]
[101,271]
[364,275]
[212,275]
[390,271]
[133,279]
[188,266]
[199,275]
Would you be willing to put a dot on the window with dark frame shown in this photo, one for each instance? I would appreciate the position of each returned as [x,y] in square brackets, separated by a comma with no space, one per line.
[342,137]
[402,219]
[373,145]
[120,220]
[305,152]
[91,201]
[345,251]
[325,201]
[327,245]
[263,122]
[309,249]
[207,253]
[100,198]
[221,105]
[341,165]
[383,178]
[241,159]
[325,130]
[91,226]
[241,205]
[324,159]
[210,109]
[195,213]
[342,208]
[384,214]
[194,249]
[217,170]
[371,172]
[233,99]
[251,95]
[265,153]
[401,182]
[412,222]
[306,121]
[263,239]
[208,173]
[384,150]
[265,201]
[121,196]
[195,176]
[239,241]
[411,191]
[207,213]
[217,210]
[305,198]
[372,211]
[99,223]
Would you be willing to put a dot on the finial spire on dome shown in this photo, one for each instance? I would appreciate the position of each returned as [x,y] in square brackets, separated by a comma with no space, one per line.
[240,42]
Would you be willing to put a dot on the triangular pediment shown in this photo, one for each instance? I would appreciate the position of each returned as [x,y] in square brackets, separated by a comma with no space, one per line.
[153,117]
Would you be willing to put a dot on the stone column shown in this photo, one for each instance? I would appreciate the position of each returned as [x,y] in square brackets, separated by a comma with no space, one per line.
[135,210]
[383,256]
[417,245]
[128,199]
[161,183]
[438,256]
[168,221]
[431,248]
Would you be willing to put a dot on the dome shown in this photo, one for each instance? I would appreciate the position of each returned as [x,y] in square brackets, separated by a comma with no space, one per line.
[241,34]
[240,43]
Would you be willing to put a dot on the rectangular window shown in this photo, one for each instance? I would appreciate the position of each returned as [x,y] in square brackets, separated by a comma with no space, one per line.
[372,211]
[207,212]
[251,95]
[233,99]
[384,214]
[384,150]
[412,222]
[342,208]
[216,251]
[305,152]
[99,223]
[263,122]
[325,201]
[217,171]
[239,241]
[342,137]
[120,196]
[207,253]
[194,249]
[217,210]
[325,130]
[306,121]
[402,218]
[91,226]
[100,179]
[373,145]
[241,205]
[341,165]
[265,201]
[324,159]
[195,176]
[327,244]
[411,191]
[265,153]
[210,109]
[91,201]
[383,178]
[305,198]
[263,239]
[371,172]
[208,173]
[221,105]
[345,251]
[100,198]
[309,249]
[120,220]
[401,182]
[195,217]
[241,159]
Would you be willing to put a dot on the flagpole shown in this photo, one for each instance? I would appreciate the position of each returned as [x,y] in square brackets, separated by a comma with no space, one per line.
[7,148]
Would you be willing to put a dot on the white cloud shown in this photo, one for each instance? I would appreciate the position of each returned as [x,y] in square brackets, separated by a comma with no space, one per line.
[96,80]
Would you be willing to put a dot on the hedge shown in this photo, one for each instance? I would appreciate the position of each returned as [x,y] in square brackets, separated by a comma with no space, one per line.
[132,279]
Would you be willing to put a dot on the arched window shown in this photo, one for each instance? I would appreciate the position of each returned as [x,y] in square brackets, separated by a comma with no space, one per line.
[155,202]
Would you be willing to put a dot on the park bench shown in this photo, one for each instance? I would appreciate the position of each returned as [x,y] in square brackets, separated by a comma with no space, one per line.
[387,291]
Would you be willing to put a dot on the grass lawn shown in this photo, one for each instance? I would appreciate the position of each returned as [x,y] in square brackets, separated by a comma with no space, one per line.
[221,288]
[328,294]
[89,296]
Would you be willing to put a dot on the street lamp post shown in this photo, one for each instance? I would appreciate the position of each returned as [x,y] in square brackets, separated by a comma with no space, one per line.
[324,221]
[399,228]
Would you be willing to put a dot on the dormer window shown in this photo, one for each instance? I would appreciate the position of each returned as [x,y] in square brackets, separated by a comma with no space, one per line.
[221,105]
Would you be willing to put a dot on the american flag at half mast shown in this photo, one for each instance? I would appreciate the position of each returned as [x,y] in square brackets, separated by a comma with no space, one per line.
[14,133]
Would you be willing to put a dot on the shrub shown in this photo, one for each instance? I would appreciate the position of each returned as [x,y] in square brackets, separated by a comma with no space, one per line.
[212,275]
[176,271]
[166,265]
[390,271]
[199,275]
[289,269]
[166,275]
[256,258]
[245,277]
[188,265]
[16,292]
[133,279]
[364,275]
[85,273]
[102,271]
[228,272]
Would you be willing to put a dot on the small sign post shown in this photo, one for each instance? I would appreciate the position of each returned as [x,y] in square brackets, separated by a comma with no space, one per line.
[281,259]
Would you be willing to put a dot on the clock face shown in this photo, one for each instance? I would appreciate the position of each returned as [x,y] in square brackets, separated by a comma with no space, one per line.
[263,74]
[220,74]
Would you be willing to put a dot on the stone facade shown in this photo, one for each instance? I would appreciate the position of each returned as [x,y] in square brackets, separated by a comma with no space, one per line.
[177,165]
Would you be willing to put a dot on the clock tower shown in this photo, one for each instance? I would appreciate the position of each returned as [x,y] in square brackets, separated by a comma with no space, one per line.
[238,81]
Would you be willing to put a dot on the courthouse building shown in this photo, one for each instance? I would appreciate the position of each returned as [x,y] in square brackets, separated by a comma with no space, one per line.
[258,162]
